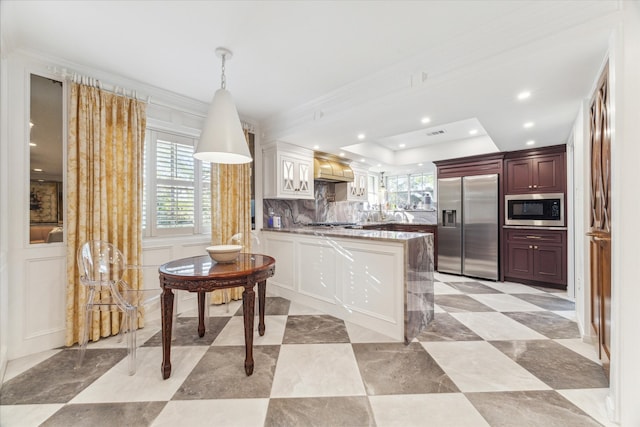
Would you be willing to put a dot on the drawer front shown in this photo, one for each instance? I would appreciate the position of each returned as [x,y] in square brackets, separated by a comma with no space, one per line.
[532,236]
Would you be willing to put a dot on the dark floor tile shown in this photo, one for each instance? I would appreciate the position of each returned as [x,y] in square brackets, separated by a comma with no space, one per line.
[549,324]
[460,303]
[344,411]
[130,414]
[220,374]
[57,380]
[315,329]
[445,327]
[186,333]
[273,306]
[548,302]
[395,368]
[556,365]
[473,288]
[530,409]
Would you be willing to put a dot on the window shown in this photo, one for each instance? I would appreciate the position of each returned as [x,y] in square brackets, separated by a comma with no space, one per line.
[177,193]
[410,191]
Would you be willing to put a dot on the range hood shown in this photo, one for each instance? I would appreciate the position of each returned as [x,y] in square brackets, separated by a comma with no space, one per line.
[330,168]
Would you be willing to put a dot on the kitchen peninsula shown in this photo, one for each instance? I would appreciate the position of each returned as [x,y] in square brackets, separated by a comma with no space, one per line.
[380,280]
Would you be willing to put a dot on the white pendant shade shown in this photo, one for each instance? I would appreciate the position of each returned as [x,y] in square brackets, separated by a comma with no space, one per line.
[222,139]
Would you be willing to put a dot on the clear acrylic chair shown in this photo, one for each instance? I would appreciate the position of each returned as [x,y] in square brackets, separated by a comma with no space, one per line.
[102,267]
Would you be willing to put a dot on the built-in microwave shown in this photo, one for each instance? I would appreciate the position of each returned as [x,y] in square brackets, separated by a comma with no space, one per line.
[534,209]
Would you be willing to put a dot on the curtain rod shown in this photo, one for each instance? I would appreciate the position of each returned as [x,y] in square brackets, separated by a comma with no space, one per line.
[80,78]
[90,81]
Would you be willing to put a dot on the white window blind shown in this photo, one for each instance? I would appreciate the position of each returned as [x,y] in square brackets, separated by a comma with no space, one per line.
[178,189]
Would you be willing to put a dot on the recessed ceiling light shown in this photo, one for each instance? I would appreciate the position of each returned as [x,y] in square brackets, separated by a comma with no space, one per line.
[524,95]
[361,136]
[419,164]
[315,147]
[402,145]
[473,131]
[362,160]
[378,165]
[425,120]
[531,142]
[528,125]
[37,170]
[341,154]
[32,144]
[30,124]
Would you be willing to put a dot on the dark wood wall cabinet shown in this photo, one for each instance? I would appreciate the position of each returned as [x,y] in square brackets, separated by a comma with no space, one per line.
[411,228]
[536,256]
[536,171]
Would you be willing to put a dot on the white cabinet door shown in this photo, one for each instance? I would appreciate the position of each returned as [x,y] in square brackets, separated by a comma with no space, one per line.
[287,174]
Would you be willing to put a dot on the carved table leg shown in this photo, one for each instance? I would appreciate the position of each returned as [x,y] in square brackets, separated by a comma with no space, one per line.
[166,301]
[262,286]
[248,303]
[202,296]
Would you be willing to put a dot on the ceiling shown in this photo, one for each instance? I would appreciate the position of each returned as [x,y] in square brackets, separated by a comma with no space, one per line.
[319,73]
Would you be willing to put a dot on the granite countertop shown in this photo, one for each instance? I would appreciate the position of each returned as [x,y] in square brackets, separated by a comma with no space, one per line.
[356,233]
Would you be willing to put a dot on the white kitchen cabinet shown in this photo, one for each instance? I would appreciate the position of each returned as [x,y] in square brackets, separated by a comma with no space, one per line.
[360,281]
[287,171]
[356,191]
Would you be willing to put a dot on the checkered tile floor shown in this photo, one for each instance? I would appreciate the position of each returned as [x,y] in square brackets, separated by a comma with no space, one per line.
[497,354]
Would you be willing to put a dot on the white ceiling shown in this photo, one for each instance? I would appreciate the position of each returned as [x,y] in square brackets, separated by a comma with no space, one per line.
[321,72]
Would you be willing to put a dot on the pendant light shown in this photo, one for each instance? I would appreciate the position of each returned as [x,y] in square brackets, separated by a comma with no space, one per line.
[222,139]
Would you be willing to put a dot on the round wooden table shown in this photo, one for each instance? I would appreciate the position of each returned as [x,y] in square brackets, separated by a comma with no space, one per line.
[201,274]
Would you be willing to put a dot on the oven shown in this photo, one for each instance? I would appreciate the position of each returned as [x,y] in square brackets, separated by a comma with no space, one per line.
[534,209]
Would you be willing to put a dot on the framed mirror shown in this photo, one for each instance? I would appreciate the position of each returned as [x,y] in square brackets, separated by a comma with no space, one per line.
[46,163]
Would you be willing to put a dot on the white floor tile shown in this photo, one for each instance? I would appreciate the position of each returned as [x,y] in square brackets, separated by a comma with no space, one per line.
[306,370]
[440,288]
[26,415]
[233,332]
[505,302]
[359,334]
[438,309]
[591,401]
[513,288]
[438,409]
[443,277]
[219,412]
[568,314]
[585,349]
[147,384]
[17,366]
[493,326]
[478,366]
[297,309]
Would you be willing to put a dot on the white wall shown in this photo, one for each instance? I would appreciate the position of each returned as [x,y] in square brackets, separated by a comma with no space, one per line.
[625,196]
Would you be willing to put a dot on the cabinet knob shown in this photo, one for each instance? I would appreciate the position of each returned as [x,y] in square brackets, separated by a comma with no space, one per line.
[535,185]
[530,246]
[535,247]
[531,186]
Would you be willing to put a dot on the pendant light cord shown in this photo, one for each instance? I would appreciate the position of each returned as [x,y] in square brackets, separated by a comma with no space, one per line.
[224,78]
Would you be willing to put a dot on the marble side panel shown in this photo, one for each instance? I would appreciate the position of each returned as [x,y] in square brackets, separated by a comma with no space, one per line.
[419,286]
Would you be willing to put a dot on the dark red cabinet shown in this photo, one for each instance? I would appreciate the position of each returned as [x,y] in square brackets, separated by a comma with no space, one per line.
[536,174]
[536,256]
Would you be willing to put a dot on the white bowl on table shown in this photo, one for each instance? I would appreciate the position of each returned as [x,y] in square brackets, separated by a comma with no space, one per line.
[224,253]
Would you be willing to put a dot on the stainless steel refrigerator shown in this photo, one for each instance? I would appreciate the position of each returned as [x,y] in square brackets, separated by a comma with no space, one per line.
[468,226]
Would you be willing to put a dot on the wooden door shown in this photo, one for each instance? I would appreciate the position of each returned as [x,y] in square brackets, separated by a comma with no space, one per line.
[519,176]
[600,217]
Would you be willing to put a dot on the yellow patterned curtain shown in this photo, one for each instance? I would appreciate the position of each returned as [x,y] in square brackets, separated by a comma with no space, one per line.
[230,210]
[104,191]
